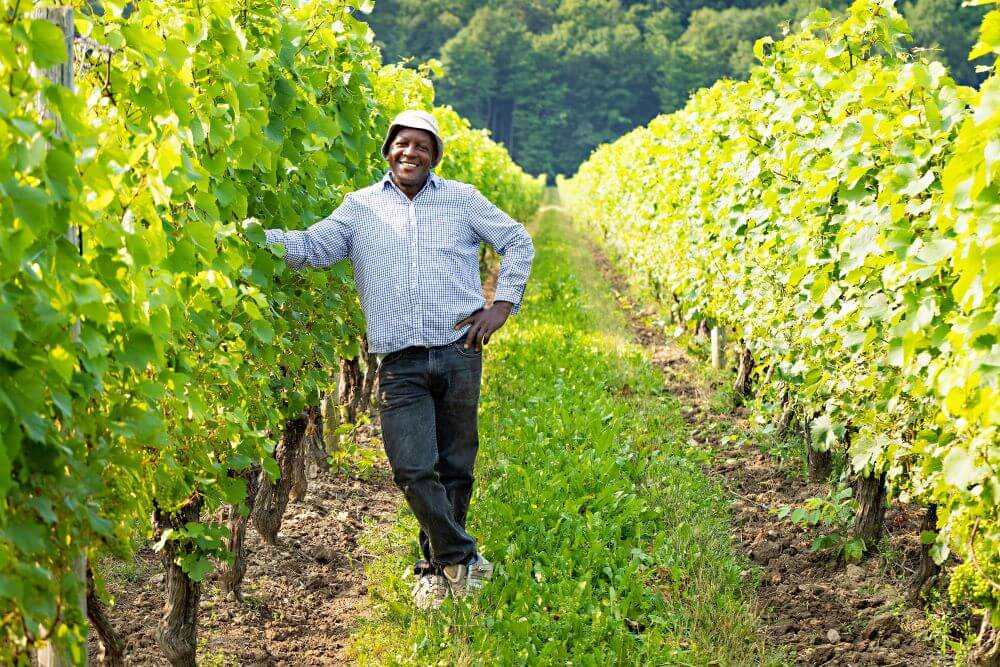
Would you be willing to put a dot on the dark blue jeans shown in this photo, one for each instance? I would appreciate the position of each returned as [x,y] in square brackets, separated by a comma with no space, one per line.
[428,405]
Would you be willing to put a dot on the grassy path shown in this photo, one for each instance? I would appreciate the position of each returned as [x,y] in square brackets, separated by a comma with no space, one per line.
[611,546]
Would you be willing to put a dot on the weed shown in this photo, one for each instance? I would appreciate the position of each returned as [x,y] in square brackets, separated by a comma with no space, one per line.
[835,514]
[208,658]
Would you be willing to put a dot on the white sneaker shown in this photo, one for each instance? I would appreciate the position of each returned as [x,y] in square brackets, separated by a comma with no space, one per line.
[466,579]
[430,591]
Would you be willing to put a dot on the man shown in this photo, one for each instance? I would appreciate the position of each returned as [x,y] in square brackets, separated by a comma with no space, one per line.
[413,239]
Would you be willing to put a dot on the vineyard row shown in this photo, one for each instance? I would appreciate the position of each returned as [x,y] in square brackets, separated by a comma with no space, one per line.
[839,215]
[152,351]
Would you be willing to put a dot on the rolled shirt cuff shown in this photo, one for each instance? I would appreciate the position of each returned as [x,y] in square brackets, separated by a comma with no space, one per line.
[293,242]
[511,294]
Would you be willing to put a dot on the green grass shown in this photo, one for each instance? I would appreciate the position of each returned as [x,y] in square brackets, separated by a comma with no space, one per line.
[611,547]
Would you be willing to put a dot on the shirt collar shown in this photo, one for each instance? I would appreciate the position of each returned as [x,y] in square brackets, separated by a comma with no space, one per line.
[434,179]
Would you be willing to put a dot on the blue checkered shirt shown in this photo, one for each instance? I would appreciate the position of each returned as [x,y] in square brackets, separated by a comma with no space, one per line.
[416,263]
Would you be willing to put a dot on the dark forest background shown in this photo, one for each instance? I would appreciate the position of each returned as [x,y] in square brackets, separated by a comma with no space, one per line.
[552,79]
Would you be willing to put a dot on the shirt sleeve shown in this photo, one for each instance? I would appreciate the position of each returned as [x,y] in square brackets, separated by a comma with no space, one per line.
[510,240]
[325,243]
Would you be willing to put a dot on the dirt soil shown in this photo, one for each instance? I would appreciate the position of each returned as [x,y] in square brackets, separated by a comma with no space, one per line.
[301,598]
[821,611]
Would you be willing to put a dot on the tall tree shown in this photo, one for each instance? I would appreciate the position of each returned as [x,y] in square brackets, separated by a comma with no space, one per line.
[482,63]
[417,29]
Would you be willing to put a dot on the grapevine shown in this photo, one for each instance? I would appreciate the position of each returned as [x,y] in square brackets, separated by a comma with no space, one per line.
[150,370]
[838,212]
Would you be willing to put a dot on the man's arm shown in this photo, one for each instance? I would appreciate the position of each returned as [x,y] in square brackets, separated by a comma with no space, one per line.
[325,243]
[511,241]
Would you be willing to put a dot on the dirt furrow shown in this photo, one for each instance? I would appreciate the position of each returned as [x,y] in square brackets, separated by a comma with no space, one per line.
[823,612]
[301,598]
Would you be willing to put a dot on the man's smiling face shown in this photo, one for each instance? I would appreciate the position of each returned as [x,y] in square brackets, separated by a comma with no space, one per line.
[411,155]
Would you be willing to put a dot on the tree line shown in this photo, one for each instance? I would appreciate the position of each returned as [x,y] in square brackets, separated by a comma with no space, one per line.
[552,79]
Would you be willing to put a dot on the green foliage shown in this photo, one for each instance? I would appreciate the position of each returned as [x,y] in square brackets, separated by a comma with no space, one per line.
[839,210]
[718,44]
[417,28]
[150,365]
[835,514]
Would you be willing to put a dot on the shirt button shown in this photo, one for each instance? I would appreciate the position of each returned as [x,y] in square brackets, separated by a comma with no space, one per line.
[413,285]
[413,264]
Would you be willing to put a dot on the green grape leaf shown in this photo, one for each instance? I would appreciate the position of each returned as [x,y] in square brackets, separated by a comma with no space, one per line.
[10,325]
[29,538]
[263,331]
[196,566]
[11,588]
[906,181]
[933,252]
[47,42]
[960,469]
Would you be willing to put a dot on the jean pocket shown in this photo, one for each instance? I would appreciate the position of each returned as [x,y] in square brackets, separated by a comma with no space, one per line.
[390,356]
[471,352]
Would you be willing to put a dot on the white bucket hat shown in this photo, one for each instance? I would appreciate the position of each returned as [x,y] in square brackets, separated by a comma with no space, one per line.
[418,120]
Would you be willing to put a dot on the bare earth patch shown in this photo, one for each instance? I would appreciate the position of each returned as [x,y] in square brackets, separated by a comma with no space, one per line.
[823,612]
[302,598]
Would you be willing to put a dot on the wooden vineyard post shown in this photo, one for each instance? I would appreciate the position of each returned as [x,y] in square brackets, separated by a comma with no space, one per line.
[62,74]
[718,348]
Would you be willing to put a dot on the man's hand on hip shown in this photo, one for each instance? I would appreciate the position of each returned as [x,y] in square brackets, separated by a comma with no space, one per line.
[484,323]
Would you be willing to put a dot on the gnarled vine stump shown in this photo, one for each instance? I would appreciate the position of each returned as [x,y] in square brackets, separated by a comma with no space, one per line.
[986,652]
[368,384]
[272,496]
[112,648]
[236,519]
[350,385]
[870,520]
[300,480]
[927,569]
[744,376]
[819,462]
[177,634]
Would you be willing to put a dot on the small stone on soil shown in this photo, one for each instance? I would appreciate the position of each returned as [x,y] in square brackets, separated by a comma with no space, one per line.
[784,628]
[882,625]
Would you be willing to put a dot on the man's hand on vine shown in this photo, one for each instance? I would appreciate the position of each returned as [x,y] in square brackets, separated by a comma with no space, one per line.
[484,323]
